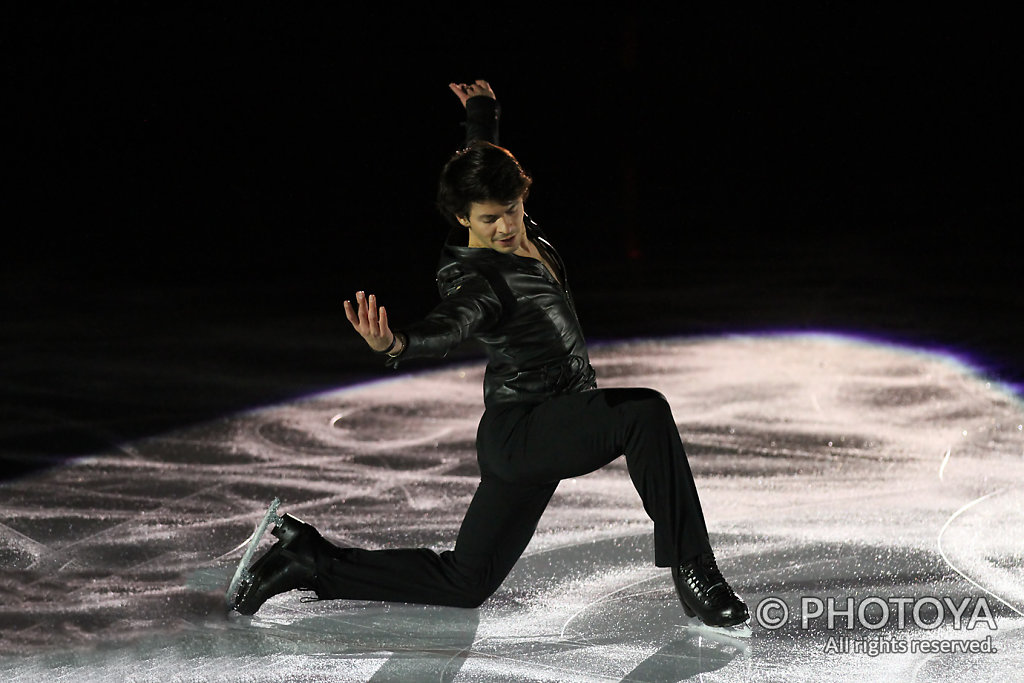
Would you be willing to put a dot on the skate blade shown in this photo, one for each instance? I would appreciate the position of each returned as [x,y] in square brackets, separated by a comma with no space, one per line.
[741,632]
[242,572]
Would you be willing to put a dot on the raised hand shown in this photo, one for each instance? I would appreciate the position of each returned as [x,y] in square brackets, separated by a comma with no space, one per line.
[466,90]
[370,321]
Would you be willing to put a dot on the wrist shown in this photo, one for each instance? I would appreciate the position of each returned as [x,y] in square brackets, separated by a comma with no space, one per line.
[397,345]
[391,347]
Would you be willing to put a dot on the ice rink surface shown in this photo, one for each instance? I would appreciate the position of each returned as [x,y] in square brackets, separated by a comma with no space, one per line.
[864,499]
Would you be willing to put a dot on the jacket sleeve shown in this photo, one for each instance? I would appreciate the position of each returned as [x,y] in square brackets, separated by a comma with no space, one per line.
[482,114]
[469,305]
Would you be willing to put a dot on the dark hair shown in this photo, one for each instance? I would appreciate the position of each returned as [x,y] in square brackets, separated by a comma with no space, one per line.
[479,173]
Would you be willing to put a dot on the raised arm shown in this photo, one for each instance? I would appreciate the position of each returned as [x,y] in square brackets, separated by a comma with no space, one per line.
[482,110]
[469,303]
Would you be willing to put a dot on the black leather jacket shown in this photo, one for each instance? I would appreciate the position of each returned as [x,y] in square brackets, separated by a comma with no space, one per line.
[524,318]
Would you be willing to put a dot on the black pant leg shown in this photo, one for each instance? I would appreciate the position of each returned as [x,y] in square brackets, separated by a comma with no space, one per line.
[498,525]
[575,434]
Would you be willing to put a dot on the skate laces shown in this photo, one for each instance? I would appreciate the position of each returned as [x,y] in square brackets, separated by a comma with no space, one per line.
[710,565]
[715,578]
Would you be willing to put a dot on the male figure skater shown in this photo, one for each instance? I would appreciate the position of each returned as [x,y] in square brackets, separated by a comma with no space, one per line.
[503,283]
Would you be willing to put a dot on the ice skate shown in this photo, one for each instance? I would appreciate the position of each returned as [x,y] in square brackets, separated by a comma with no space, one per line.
[289,564]
[705,595]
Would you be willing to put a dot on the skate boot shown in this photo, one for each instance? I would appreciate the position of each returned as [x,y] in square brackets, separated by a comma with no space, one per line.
[289,564]
[705,594]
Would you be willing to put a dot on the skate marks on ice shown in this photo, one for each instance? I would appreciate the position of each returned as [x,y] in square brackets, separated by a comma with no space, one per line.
[811,453]
[291,640]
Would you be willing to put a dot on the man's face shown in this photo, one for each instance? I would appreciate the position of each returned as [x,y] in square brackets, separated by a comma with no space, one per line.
[496,225]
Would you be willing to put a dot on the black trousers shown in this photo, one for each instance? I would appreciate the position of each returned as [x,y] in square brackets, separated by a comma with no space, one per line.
[524,450]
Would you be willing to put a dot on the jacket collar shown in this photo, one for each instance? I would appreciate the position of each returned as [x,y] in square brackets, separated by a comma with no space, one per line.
[456,245]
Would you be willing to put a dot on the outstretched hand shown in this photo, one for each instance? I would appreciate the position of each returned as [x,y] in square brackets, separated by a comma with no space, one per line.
[370,322]
[466,90]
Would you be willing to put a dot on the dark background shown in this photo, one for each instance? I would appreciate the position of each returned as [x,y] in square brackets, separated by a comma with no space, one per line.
[191,192]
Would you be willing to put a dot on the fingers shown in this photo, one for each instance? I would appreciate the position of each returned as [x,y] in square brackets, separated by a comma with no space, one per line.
[466,90]
[351,315]
[364,326]
[369,320]
[359,314]
[484,88]
[460,91]
[372,319]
